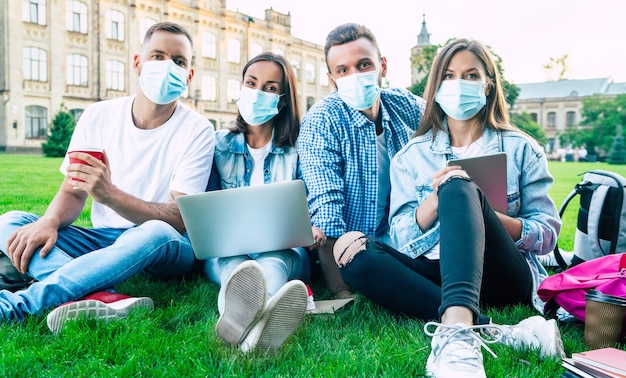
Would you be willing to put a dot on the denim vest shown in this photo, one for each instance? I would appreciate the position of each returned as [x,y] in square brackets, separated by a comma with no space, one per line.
[528,182]
[234,163]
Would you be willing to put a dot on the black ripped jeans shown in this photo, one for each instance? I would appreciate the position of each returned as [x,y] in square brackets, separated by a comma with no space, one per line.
[479,263]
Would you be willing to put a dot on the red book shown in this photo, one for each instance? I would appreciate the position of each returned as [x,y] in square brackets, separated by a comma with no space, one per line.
[609,359]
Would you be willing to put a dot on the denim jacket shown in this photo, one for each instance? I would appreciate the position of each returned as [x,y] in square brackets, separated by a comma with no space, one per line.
[234,163]
[528,182]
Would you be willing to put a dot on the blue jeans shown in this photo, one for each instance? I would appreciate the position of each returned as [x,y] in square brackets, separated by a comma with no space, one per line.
[84,261]
[279,267]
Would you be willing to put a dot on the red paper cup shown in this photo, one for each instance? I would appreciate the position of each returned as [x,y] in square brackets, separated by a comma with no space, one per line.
[95,152]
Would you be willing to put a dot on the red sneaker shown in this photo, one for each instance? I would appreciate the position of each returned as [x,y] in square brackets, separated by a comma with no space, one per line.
[310,301]
[101,305]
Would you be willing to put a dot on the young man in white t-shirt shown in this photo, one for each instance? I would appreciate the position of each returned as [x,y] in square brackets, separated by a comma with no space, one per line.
[154,149]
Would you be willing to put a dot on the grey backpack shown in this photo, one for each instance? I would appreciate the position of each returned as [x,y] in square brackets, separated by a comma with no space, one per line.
[601,224]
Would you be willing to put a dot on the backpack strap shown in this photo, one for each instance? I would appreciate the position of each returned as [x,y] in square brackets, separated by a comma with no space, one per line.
[620,200]
[557,253]
[593,220]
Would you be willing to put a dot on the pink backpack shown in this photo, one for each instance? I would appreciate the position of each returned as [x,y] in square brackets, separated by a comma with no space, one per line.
[567,289]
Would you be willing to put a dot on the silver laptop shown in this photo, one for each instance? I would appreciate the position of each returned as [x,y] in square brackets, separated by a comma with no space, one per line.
[246,220]
[489,173]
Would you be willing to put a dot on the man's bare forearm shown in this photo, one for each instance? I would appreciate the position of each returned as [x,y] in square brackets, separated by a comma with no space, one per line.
[138,211]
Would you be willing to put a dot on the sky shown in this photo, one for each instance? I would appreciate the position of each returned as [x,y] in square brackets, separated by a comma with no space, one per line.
[525,34]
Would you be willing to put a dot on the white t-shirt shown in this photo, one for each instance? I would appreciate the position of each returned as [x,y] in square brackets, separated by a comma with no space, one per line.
[148,164]
[258,161]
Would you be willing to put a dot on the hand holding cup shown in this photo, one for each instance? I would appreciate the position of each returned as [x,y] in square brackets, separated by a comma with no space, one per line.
[93,151]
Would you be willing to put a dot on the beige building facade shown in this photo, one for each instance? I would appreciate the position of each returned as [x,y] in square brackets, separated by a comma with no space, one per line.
[558,105]
[72,53]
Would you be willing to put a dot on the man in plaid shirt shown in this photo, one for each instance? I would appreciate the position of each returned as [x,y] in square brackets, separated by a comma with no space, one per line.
[347,141]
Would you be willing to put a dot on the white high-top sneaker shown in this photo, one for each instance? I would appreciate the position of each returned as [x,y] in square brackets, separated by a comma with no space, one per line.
[535,333]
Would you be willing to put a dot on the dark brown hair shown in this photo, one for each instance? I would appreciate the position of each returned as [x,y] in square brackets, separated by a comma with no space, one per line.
[168,27]
[287,122]
[347,33]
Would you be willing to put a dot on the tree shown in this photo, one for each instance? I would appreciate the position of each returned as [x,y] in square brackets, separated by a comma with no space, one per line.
[60,134]
[557,66]
[617,154]
[423,63]
[525,122]
[600,119]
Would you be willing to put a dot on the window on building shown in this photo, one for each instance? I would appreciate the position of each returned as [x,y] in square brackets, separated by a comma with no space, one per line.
[255,49]
[233,89]
[114,25]
[570,119]
[309,70]
[34,11]
[279,51]
[534,117]
[209,45]
[309,102]
[35,64]
[144,25]
[36,120]
[324,76]
[552,119]
[77,70]
[115,75]
[234,50]
[296,68]
[76,113]
[76,17]
[209,88]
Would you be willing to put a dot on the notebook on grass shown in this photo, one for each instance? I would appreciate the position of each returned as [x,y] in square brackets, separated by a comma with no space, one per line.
[489,173]
[246,220]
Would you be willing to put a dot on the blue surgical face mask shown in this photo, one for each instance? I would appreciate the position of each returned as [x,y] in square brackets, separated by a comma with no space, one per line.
[257,107]
[359,90]
[461,99]
[162,81]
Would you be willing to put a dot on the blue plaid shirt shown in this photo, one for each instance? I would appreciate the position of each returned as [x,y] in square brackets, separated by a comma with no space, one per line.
[337,149]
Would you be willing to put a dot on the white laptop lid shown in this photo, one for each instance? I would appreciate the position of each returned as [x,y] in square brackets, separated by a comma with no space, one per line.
[247,220]
[489,173]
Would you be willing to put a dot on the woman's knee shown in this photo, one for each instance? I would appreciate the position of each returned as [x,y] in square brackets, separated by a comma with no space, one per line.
[349,245]
[454,184]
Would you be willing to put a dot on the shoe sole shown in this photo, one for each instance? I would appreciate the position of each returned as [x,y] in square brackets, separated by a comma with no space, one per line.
[244,299]
[94,309]
[284,316]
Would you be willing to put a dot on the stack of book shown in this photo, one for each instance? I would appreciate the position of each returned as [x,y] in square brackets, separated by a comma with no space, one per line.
[596,363]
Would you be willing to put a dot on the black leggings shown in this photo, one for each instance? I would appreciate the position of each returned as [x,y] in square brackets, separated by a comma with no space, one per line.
[479,263]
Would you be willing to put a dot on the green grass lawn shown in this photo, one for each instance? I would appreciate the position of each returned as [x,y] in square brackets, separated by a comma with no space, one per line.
[178,338]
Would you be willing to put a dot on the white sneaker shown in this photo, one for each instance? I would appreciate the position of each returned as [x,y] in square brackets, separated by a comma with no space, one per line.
[535,333]
[548,260]
[245,293]
[455,350]
[283,314]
